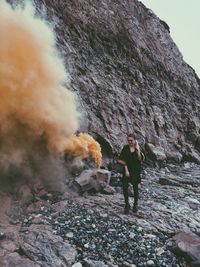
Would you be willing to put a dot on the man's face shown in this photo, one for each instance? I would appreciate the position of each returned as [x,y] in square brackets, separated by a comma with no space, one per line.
[131,141]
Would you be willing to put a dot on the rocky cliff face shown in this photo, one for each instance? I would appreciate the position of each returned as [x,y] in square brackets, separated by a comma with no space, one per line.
[129,76]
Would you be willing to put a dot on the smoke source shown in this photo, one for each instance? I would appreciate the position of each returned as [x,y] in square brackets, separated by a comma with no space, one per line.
[38,116]
[84,146]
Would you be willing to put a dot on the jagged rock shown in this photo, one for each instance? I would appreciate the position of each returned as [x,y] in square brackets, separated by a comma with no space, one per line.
[15,260]
[9,249]
[102,178]
[156,152]
[43,247]
[181,181]
[188,244]
[174,156]
[86,180]
[108,190]
[192,156]
[93,179]
[77,264]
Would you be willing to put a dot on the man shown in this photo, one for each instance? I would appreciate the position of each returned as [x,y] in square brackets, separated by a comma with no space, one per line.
[131,158]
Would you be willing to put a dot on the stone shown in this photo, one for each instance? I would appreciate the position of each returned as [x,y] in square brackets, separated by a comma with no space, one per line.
[150,263]
[157,153]
[69,235]
[132,235]
[77,264]
[109,264]
[192,200]
[167,181]
[2,235]
[92,263]
[94,179]
[109,190]
[86,180]
[189,244]
[127,264]
[104,215]
[14,260]
[159,251]
[103,178]
[45,248]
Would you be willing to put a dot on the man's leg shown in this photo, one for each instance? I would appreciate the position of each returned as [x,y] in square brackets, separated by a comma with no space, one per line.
[125,185]
[136,196]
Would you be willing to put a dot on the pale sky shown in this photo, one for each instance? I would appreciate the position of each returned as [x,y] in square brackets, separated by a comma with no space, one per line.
[183,18]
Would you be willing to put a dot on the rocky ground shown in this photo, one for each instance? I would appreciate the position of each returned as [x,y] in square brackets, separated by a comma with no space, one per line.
[56,229]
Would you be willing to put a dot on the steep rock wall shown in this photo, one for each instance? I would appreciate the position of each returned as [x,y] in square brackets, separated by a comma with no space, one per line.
[128,74]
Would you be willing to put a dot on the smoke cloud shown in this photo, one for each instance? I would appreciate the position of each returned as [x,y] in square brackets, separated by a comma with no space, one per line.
[84,146]
[38,116]
[31,79]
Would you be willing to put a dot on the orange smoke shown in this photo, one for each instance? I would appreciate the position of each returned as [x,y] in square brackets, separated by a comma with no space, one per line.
[31,79]
[84,146]
[34,105]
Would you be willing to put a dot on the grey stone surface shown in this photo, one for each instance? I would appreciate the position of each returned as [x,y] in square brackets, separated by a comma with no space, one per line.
[128,75]
[96,227]
[35,246]
[96,179]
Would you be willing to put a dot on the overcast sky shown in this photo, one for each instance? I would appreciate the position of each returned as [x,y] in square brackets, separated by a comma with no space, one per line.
[183,18]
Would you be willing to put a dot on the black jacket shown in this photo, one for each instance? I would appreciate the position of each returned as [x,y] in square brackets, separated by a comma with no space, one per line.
[132,162]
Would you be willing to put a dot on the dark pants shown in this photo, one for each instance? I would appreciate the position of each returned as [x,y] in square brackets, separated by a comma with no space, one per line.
[125,185]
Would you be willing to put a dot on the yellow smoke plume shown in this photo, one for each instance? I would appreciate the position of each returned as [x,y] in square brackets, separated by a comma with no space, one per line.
[34,105]
[84,146]
[31,79]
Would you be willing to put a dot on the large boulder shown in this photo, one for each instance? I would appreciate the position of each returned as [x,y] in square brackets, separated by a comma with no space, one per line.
[97,179]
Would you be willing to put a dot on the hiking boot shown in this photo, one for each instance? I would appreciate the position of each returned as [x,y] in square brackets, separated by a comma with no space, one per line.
[126,209]
[135,209]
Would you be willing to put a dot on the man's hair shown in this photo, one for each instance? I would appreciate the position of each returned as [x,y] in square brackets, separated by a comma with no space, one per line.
[131,135]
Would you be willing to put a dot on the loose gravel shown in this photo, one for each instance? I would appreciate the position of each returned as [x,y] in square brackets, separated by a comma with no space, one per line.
[102,237]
